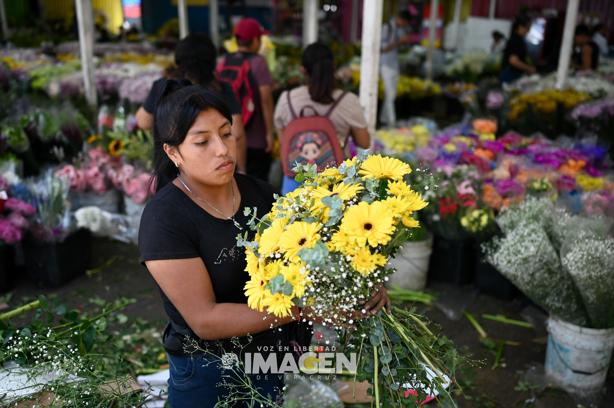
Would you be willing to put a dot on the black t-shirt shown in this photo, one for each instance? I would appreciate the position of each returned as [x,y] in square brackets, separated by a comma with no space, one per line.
[175,227]
[158,87]
[515,46]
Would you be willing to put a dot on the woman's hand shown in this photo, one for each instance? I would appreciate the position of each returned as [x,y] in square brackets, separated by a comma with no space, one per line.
[378,301]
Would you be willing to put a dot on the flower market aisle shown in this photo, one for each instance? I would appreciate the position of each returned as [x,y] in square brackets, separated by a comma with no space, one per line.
[115,274]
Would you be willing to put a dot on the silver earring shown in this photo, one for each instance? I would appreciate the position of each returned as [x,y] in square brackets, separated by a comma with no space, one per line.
[176,165]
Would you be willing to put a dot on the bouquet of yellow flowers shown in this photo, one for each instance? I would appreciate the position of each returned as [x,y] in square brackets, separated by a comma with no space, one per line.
[326,247]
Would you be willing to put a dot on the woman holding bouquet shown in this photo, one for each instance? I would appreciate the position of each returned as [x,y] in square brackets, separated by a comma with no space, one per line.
[187,241]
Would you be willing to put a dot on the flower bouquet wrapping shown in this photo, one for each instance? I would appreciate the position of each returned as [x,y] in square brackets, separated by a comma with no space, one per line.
[564,263]
[325,247]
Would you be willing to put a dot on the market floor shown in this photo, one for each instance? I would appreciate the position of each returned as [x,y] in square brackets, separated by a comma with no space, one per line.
[115,272]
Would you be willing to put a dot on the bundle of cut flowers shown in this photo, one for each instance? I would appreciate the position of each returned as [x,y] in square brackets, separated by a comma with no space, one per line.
[597,117]
[403,140]
[562,262]
[133,181]
[596,85]
[49,195]
[92,174]
[15,215]
[325,247]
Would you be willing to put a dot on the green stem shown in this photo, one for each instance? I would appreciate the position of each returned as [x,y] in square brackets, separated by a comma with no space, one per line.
[375,376]
[476,325]
[498,355]
[506,320]
[20,310]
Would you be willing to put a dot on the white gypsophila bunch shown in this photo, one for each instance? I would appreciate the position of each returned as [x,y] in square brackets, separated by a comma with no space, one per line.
[590,263]
[526,257]
[568,229]
[536,210]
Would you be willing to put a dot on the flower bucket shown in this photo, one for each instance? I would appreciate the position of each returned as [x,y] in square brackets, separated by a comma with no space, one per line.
[7,267]
[452,261]
[107,201]
[490,281]
[51,264]
[578,358]
[412,264]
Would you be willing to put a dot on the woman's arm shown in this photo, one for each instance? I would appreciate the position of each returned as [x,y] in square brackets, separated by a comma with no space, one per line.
[361,137]
[517,63]
[188,286]
[144,119]
[239,131]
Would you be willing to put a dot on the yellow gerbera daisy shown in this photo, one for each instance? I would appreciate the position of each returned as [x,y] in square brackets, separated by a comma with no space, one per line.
[410,222]
[398,206]
[415,201]
[256,292]
[278,304]
[269,240]
[384,168]
[341,242]
[295,274]
[272,269]
[398,189]
[365,262]
[298,235]
[370,223]
[253,264]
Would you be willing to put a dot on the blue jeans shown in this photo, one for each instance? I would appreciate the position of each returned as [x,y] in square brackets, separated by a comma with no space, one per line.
[201,381]
[288,185]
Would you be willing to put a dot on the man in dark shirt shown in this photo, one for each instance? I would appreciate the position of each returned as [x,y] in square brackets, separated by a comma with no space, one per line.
[586,51]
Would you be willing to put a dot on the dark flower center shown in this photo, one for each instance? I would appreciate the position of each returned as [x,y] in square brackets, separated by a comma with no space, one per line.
[368,226]
[302,241]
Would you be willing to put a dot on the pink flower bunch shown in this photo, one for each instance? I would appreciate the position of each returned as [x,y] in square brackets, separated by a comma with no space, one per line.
[133,182]
[14,221]
[138,187]
[93,175]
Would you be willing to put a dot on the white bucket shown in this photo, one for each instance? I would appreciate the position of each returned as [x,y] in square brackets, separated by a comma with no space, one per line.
[412,264]
[578,358]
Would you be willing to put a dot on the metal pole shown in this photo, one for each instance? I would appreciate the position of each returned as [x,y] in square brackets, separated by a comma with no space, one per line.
[3,23]
[85,21]
[372,13]
[354,22]
[214,23]
[310,21]
[456,22]
[491,10]
[566,47]
[182,10]
[432,32]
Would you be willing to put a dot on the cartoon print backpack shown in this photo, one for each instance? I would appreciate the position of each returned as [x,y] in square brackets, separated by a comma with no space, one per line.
[310,139]
[236,71]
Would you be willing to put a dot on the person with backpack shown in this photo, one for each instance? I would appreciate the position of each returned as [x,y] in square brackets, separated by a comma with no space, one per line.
[195,58]
[249,76]
[316,120]
[389,63]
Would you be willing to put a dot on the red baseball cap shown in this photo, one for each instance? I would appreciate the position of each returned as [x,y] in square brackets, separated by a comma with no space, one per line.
[248,28]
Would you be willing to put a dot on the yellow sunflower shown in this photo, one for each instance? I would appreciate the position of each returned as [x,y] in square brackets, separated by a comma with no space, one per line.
[295,274]
[368,223]
[269,240]
[116,148]
[256,292]
[365,262]
[384,168]
[93,138]
[298,235]
[278,304]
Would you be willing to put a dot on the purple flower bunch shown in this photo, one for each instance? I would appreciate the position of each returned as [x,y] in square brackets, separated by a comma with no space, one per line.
[593,110]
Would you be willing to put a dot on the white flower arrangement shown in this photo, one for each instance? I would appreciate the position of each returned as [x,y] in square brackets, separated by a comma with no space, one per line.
[562,262]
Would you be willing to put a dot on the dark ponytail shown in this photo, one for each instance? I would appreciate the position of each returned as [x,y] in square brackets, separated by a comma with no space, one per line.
[318,61]
[175,115]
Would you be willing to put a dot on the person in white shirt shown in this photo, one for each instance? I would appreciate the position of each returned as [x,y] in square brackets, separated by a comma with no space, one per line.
[599,37]
[392,39]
